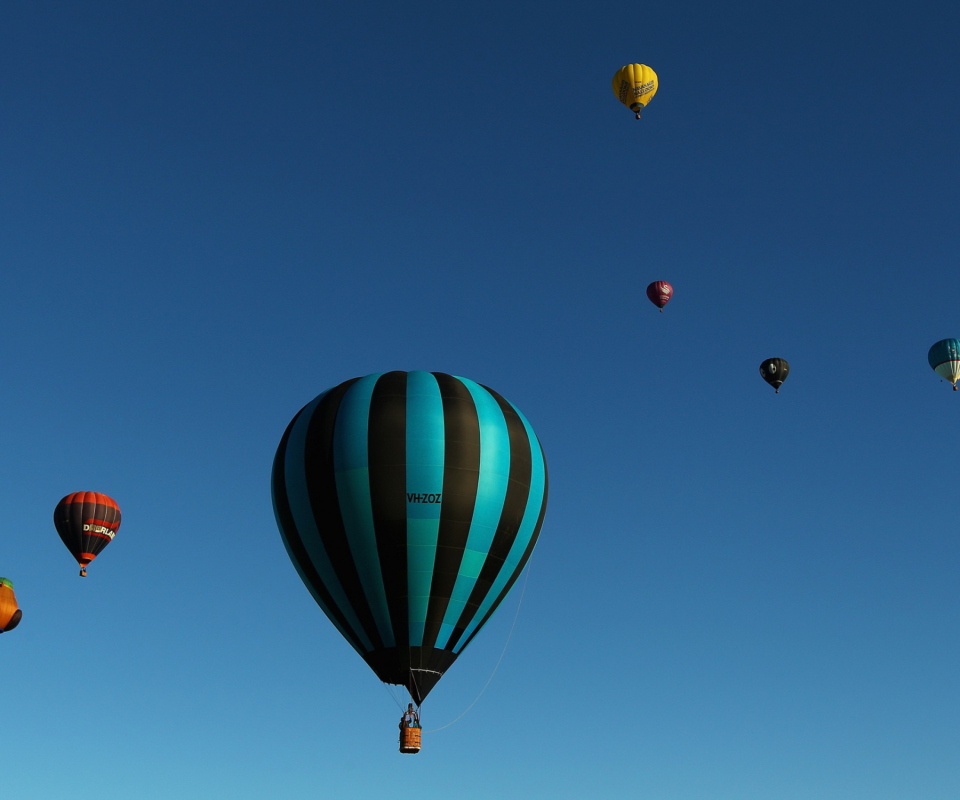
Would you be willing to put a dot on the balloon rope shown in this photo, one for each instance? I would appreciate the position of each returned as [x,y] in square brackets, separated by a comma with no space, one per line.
[413,677]
[506,644]
[393,697]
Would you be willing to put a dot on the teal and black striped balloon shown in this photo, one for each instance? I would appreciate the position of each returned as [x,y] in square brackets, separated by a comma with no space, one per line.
[944,357]
[409,502]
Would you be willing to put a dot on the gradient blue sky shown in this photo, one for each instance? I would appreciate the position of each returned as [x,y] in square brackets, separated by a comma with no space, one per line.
[211,211]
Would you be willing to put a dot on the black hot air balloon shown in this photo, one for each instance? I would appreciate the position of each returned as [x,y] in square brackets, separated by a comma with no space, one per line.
[774,371]
[87,522]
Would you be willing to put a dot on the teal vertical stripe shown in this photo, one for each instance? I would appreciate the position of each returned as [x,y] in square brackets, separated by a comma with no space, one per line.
[491,492]
[299,500]
[425,456]
[352,474]
[527,527]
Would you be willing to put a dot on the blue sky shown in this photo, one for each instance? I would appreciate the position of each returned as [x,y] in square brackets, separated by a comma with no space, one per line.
[211,212]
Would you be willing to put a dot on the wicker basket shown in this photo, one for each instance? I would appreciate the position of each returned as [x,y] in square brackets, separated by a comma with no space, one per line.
[410,740]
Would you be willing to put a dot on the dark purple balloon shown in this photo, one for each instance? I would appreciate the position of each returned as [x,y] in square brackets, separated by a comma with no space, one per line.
[660,293]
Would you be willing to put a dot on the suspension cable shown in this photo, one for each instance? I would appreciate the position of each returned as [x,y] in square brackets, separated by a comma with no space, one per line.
[506,644]
[393,696]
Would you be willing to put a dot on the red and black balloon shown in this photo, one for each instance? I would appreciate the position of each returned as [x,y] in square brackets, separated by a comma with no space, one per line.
[86,522]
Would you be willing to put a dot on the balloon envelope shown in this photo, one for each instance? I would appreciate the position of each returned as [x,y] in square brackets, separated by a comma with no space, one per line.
[409,503]
[774,371]
[659,293]
[10,612]
[944,357]
[635,85]
[86,522]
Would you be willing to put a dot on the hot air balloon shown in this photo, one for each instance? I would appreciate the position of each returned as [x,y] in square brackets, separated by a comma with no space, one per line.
[10,612]
[635,85]
[659,293]
[944,357]
[87,522]
[409,503]
[774,371]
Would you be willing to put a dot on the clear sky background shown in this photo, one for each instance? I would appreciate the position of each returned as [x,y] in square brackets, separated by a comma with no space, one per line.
[210,212]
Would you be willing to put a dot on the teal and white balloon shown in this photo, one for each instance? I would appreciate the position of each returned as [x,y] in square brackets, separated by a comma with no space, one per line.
[944,357]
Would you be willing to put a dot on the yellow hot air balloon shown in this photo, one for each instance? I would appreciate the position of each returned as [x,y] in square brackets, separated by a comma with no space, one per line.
[635,85]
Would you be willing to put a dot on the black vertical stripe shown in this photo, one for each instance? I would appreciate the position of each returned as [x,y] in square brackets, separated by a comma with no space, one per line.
[523,559]
[61,520]
[291,535]
[325,506]
[461,475]
[387,453]
[514,506]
